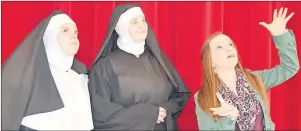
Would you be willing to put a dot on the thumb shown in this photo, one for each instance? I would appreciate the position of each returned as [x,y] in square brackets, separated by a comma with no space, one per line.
[264,24]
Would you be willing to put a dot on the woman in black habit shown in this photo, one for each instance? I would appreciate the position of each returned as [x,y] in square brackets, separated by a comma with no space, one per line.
[43,86]
[132,84]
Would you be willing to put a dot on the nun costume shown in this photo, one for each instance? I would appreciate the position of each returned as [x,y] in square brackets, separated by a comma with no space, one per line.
[43,88]
[130,80]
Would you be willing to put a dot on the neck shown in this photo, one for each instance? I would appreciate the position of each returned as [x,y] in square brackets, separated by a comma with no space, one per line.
[130,46]
[228,76]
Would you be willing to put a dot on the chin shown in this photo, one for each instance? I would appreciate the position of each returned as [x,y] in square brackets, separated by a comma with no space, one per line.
[73,52]
[140,40]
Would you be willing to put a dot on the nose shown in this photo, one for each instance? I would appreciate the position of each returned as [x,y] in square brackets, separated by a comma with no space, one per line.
[229,48]
[140,25]
[74,35]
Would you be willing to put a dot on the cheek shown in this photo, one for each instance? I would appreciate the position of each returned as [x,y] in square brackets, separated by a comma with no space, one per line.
[132,33]
[132,29]
[235,52]
[62,39]
[218,55]
[218,58]
[146,30]
[214,57]
[145,26]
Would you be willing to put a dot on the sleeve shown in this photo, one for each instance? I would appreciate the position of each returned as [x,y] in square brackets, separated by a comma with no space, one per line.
[178,98]
[289,63]
[179,95]
[110,115]
[206,122]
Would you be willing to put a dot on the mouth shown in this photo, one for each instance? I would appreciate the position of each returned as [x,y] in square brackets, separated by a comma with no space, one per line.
[140,32]
[230,56]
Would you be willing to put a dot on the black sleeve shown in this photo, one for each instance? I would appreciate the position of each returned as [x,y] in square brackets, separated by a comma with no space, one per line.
[178,97]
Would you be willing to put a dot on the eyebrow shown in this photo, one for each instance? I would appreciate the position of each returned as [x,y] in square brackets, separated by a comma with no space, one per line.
[134,19]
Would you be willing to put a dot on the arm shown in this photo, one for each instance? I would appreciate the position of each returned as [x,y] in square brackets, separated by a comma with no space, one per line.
[179,95]
[289,64]
[103,86]
[206,122]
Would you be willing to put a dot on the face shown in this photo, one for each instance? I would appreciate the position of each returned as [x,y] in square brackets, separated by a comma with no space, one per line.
[138,28]
[223,52]
[68,38]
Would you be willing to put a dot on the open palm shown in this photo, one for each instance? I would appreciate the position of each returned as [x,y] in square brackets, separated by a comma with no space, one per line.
[278,25]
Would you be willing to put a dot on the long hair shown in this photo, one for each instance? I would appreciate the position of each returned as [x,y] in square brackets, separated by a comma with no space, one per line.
[207,93]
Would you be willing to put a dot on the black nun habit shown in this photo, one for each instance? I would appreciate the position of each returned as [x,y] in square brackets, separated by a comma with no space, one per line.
[126,92]
[28,87]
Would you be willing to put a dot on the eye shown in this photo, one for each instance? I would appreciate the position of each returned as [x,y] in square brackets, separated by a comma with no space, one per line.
[76,32]
[219,47]
[65,30]
[134,22]
[231,44]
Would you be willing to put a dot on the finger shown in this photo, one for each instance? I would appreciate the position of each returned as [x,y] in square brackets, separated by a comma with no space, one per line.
[214,109]
[163,115]
[224,114]
[218,111]
[264,24]
[220,98]
[275,14]
[284,13]
[162,109]
[158,121]
[280,12]
[221,111]
[289,17]
[233,118]
[161,120]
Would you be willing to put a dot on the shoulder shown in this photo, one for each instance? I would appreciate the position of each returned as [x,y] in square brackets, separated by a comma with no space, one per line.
[102,67]
[196,95]
[254,73]
[79,67]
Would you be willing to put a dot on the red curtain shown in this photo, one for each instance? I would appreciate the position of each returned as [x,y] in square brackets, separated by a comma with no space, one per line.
[181,28]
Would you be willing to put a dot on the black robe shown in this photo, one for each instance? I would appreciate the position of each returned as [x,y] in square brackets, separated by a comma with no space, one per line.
[27,84]
[126,92]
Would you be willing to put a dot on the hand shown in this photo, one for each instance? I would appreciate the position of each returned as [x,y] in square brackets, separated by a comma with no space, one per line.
[225,109]
[278,25]
[162,115]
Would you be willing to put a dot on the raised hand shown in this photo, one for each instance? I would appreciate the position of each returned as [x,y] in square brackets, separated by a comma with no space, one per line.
[278,25]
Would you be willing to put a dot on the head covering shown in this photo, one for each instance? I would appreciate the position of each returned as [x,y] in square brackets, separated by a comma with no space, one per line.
[125,42]
[27,84]
[56,56]
[110,44]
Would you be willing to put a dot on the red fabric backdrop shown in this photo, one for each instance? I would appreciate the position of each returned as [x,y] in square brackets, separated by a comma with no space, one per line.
[181,28]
